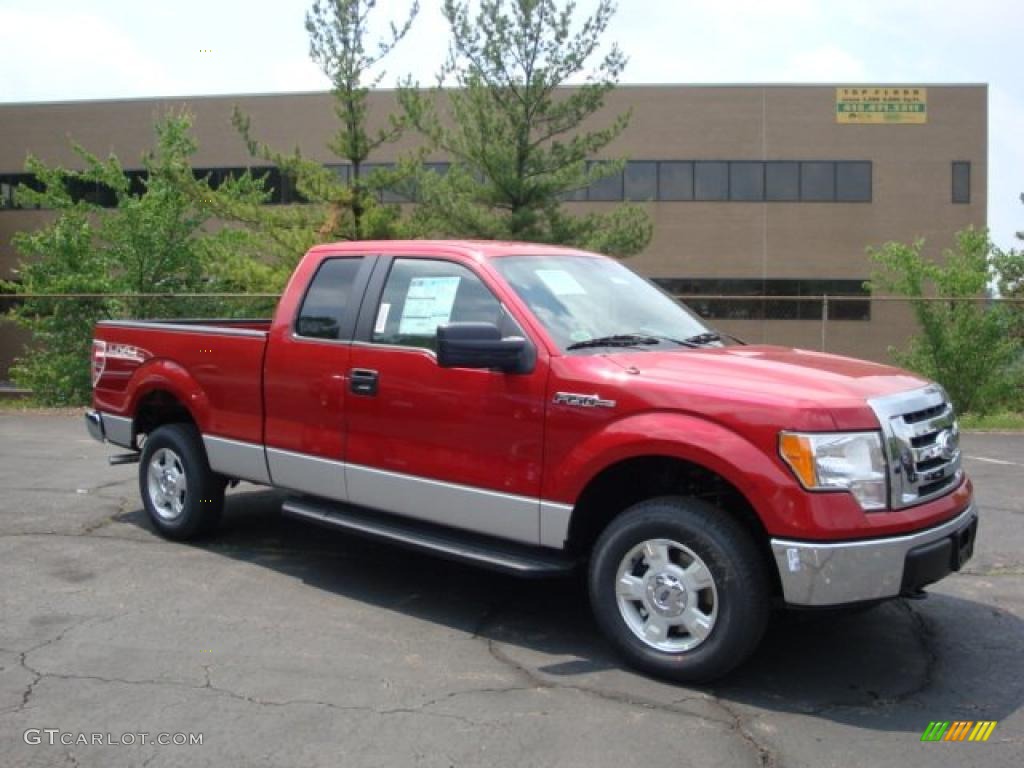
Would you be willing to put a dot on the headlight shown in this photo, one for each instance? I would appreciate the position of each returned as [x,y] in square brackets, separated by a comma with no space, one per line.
[848,461]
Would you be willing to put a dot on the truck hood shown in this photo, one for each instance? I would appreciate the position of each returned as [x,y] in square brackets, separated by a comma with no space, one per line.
[773,376]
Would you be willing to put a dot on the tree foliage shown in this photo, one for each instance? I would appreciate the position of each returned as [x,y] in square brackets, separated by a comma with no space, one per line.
[1009,267]
[963,342]
[338,207]
[155,241]
[515,134]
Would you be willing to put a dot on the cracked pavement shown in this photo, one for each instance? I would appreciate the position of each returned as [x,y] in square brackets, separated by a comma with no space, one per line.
[290,645]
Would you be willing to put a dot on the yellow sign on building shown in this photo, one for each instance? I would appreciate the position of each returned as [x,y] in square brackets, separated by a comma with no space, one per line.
[886,105]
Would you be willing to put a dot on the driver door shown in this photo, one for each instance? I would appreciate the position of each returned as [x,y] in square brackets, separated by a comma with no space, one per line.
[460,447]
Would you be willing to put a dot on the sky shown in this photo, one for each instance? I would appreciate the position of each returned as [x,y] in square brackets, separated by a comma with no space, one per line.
[64,50]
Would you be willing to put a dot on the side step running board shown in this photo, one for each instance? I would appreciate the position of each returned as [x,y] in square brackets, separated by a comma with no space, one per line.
[507,557]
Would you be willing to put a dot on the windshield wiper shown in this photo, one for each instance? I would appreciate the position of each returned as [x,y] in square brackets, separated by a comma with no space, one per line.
[681,342]
[617,340]
[703,338]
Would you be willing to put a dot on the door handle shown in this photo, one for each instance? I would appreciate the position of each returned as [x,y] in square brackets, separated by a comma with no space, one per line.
[363,382]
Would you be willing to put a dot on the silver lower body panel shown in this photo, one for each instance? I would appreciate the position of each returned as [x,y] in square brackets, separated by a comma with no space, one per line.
[110,429]
[816,573]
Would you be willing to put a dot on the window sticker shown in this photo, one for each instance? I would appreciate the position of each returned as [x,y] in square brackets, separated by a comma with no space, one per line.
[428,304]
[382,318]
[560,282]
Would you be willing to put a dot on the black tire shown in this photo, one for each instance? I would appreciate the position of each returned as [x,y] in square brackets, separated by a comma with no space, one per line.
[739,599]
[194,510]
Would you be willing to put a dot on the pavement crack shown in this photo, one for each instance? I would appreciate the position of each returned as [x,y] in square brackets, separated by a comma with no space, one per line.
[733,721]
[925,636]
[537,682]
[95,526]
[208,685]
[37,676]
[766,755]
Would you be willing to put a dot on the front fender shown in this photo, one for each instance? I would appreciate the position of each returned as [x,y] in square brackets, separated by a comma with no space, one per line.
[762,481]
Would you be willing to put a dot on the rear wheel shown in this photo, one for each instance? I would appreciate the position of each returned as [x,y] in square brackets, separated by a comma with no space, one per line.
[182,495]
[679,588]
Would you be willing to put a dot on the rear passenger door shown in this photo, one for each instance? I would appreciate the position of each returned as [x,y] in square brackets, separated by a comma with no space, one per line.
[304,381]
[456,446]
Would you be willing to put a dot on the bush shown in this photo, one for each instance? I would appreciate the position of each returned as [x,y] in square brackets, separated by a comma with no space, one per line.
[965,343]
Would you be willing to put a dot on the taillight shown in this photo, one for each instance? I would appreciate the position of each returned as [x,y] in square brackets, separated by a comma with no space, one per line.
[99,359]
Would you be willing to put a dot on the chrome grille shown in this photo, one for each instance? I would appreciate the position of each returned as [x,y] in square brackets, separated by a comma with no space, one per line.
[922,444]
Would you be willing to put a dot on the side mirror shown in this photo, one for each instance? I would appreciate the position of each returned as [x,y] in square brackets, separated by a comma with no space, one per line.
[480,345]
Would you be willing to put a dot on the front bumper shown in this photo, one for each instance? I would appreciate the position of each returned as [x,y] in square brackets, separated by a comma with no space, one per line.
[110,429]
[815,573]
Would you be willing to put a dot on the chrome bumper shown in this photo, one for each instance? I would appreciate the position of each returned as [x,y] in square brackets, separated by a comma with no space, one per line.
[110,429]
[819,573]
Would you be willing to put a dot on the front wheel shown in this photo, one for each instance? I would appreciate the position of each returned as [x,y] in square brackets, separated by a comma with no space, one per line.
[182,495]
[679,588]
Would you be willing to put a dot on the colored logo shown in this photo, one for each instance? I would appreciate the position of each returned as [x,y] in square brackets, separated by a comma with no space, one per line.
[959,730]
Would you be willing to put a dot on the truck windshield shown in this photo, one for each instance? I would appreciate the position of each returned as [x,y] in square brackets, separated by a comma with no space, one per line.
[588,302]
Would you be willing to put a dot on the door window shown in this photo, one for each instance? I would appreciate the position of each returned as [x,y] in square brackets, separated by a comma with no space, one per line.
[421,294]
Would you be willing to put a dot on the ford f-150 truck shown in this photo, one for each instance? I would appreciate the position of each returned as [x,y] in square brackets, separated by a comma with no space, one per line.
[531,408]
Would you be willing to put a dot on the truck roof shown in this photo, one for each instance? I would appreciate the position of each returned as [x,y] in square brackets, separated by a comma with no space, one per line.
[473,248]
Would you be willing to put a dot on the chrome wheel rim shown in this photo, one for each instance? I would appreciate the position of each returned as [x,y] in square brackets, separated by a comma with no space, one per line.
[167,484]
[667,596]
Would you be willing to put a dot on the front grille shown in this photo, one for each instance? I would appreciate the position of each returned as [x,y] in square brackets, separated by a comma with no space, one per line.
[921,445]
[927,413]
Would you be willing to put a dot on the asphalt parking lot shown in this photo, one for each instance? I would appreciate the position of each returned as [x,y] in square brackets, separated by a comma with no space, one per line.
[284,644]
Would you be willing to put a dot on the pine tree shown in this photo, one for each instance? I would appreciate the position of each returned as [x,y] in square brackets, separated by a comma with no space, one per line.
[518,135]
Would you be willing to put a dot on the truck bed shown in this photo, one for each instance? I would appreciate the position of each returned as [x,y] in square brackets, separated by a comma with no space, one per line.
[215,365]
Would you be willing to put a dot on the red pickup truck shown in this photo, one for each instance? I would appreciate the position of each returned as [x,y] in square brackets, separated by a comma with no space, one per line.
[531,408]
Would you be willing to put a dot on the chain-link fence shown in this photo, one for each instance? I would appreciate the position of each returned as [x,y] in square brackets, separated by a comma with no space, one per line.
[859,326]
[63,322]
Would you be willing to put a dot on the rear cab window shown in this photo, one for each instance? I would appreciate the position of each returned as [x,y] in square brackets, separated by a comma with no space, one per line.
[327,308]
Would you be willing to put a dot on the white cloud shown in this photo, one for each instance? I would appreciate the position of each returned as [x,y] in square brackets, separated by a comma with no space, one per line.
[826,63]
[1006,167]
[51,56]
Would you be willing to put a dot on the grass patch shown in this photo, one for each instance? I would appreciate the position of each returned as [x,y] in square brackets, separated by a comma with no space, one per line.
[28,405]
[1010,421]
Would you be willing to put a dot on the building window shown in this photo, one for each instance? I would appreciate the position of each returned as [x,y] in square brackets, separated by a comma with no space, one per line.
[641,181]
[675,181]
[607,188]
[782,181]
[853,182]
[771,299]
[961,182]
[817,182]
[746,181]
[341,171]
[711,181]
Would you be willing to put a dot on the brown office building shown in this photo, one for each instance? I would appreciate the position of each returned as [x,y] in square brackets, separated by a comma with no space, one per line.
[756,191]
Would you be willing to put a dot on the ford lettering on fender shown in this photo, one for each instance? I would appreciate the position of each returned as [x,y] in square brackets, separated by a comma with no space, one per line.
[533,409]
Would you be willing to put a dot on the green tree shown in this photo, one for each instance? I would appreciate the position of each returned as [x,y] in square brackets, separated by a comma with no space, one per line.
[1010,270]
[149,240]
[343,206]
[963,342]
[515,133]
